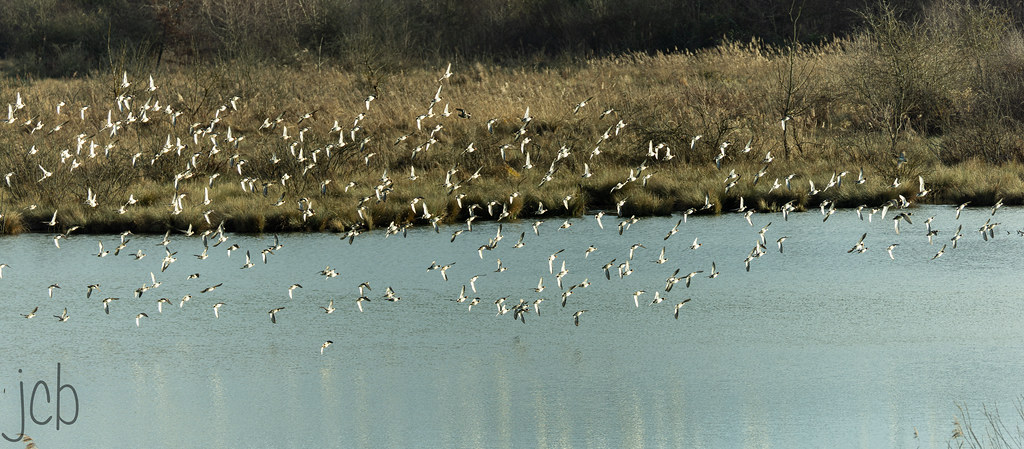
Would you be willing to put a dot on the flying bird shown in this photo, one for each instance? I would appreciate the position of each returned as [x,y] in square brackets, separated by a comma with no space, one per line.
[31,314]
[273,314]
[329,308]
[675,313]
[576,317]
[890,248]
[211,288]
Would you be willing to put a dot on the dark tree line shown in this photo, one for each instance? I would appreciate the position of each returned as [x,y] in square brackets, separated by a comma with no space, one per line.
[64,37]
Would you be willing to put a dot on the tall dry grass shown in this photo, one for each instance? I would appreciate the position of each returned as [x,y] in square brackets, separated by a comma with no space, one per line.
[730,96]
[992,430]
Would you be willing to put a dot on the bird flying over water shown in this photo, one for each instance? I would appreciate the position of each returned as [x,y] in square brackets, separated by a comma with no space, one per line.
[273,314]
[675,313]
[576,317]
[859,247]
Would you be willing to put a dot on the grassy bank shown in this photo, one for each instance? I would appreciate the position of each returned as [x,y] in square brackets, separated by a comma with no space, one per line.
[898,102]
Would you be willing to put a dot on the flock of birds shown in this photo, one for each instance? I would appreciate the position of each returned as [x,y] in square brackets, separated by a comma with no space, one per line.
[204,140]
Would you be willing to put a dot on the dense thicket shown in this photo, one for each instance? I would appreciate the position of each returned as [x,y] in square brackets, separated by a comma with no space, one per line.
[64,37]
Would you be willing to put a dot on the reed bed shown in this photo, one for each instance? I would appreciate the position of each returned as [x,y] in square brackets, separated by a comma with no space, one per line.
[271,148]
[991,430]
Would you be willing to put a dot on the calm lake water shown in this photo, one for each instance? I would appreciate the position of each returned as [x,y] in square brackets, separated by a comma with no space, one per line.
[813,347]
